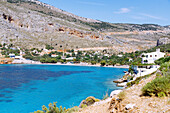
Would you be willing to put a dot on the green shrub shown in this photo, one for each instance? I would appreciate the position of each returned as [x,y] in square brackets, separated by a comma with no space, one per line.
[103,63]
[83,106]
[158,87]
[162,60]
[161,94]
[43,60]
[93,62]
[161,85]
[122,95]
[138,79]
[130,77]
[158,75]
[72,110]
[129,84]
[54,109]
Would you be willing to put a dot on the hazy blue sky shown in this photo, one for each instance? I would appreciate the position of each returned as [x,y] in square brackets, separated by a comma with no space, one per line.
[118,11]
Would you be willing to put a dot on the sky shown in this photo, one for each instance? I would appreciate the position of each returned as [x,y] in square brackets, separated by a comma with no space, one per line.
[118,11]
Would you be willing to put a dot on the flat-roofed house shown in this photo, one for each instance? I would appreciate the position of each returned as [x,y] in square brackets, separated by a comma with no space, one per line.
[149,58]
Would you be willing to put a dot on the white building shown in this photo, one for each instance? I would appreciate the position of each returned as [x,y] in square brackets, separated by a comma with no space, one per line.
[120,55]
[106,55]
[145,69]
[35,51]
[71,58]
[68,53]
[11,55]
[54,55]
[149,58]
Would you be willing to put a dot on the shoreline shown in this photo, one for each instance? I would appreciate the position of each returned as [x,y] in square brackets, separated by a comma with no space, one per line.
[132,101]
[122,66]
[69,64]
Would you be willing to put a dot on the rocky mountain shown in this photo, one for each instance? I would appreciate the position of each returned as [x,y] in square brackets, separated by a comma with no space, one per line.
[31,23]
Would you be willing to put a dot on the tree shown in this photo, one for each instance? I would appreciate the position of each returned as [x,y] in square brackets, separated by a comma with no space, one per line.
[61,60]
[103,63]
[72,50]
[93,62]
[53,60]
[42,60]
[4,44]
[73,54]
[68,55]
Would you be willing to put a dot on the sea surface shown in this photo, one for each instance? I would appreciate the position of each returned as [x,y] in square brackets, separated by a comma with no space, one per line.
[25,88]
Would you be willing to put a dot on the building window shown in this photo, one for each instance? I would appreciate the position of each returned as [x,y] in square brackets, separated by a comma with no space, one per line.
[150,55]
[146,56]
[155,55]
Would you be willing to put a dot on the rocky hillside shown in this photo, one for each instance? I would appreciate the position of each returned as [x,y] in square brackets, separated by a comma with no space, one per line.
[131,101]
[30,23]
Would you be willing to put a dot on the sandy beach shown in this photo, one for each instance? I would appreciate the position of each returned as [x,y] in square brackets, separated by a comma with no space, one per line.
[97,65]
[68,64]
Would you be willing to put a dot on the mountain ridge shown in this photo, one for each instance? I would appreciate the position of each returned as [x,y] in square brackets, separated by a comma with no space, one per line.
[36,25]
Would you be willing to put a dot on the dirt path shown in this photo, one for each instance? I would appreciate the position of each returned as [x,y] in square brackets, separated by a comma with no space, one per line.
[133,96]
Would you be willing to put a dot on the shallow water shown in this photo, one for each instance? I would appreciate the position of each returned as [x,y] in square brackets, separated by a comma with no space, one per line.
[25,88]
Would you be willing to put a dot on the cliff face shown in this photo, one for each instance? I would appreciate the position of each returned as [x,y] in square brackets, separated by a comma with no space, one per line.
[33,24]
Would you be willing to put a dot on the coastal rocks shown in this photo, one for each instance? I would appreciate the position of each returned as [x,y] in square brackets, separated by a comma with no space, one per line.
[116,106]
[122,84]
[120,81]
[115,92]
[88,101]
[129,106]
[102,102]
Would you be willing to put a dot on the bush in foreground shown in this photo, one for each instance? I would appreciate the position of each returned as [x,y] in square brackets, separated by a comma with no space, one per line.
[122,95]
[54,109]
[159,87]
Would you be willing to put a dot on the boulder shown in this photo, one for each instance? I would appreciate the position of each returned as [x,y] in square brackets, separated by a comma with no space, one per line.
[129,106]
[115,92]
[122,84]
[88,101]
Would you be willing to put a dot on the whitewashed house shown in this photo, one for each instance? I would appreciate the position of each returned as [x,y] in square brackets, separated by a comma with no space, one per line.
[149,58]
[11,55]
[147,65]
[71,58]
[120,55]
[107,55]
[54,55]
[68,53]
[35,51]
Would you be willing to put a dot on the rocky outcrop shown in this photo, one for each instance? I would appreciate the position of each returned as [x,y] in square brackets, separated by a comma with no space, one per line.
[88,101]
[117,107]
[162,41]
[80,34]
[7,17]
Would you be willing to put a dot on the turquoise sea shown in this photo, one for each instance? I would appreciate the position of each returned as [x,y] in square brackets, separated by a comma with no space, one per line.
[25,88]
